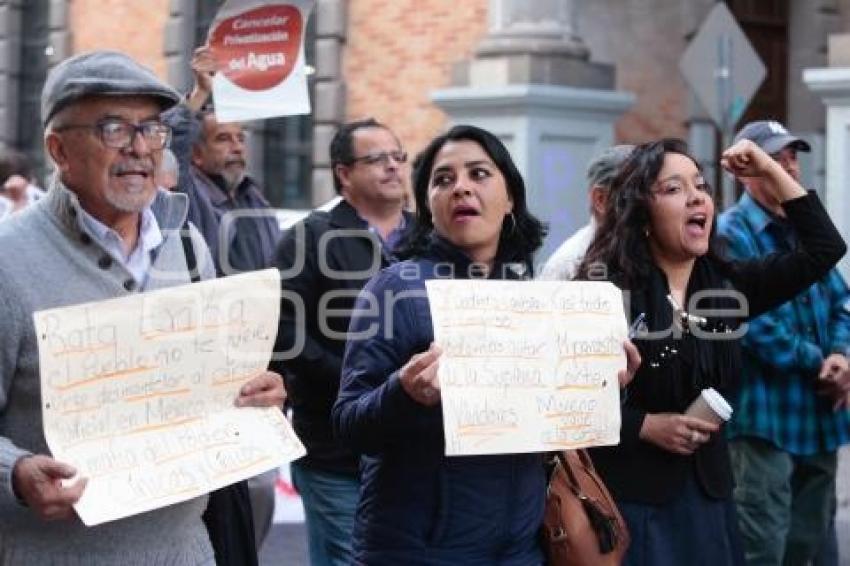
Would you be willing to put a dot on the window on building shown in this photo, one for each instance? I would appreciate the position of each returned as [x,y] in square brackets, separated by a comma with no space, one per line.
[285,145]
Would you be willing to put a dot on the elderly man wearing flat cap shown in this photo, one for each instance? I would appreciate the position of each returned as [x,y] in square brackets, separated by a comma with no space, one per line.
[104,230]
[791,413]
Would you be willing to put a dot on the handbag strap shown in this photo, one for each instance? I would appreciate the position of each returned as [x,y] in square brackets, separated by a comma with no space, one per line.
[584,456]
[572,481]
[189,252]
[570,473]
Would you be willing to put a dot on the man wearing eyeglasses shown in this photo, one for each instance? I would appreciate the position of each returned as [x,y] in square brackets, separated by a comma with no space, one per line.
[325,260]
[226,204]
[104,230]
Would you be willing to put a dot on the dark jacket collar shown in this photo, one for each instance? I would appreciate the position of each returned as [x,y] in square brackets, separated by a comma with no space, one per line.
[216,188]
[440,249]
[343,215]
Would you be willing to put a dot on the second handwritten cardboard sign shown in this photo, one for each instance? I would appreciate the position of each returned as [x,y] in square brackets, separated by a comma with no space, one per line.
[528,366]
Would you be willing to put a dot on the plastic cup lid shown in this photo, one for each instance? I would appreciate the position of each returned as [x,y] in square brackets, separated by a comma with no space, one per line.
[717,403]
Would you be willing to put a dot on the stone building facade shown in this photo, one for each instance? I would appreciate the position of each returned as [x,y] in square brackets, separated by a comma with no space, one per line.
[383,58]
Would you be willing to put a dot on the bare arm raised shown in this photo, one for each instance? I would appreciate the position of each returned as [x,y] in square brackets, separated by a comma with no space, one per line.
[204,68]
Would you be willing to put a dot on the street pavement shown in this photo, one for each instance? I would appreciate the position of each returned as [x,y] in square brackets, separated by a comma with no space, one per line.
[842,519]
[286,545]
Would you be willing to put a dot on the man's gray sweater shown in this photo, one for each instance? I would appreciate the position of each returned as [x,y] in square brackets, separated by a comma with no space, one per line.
[46,262]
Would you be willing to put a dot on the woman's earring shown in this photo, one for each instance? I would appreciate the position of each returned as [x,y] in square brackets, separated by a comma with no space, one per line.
[646,231]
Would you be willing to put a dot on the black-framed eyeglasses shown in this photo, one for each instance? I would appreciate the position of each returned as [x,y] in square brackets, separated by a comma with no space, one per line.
[382,158]
[119,134]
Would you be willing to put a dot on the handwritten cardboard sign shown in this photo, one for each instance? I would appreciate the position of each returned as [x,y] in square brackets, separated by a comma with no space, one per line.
[137,392]
[528,366]
[259,46]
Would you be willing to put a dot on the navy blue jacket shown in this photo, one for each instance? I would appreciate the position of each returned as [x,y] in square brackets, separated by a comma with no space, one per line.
[418,506]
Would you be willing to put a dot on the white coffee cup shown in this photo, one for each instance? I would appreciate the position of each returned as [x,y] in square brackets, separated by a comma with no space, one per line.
[710,406]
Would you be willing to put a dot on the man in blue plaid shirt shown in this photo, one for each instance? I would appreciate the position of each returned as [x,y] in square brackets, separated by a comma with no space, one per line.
[791,413]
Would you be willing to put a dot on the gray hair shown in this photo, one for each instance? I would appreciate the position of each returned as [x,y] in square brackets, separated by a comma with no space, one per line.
[604,167]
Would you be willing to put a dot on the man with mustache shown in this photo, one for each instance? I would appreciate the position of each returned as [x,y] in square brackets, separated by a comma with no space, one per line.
[104,230]
[325,260]
[226,204]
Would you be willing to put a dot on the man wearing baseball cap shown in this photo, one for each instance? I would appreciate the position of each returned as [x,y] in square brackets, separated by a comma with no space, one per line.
[791,412]
[104,230]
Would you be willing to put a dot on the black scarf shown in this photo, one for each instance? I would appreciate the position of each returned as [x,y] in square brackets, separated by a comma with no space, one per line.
[678,364]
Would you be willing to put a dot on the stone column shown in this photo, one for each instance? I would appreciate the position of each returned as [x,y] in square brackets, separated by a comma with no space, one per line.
[535,42]
[833,86]
[10,60]
[329,100]
[180,43]
[532,83]
[59,35]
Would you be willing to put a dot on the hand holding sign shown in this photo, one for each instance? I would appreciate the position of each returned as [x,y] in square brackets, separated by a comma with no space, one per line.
[633,360]
[204,67]
[138,395]
[38,482]
[265,390]
[419,376]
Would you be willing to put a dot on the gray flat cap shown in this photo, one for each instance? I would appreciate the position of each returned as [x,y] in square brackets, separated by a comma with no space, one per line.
[105,73]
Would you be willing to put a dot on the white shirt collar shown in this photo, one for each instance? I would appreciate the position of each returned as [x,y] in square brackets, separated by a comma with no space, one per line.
[138,262]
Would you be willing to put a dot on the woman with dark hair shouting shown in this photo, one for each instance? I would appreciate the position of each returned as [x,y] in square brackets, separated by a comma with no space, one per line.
[417,506]
[670,474]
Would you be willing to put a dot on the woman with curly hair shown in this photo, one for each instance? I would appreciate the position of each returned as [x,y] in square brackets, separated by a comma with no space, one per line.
[670,474]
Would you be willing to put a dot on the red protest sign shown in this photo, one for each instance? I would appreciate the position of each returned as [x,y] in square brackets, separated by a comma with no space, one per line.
[258,49]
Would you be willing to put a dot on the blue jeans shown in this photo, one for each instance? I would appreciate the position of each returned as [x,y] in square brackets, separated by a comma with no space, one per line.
[330,501]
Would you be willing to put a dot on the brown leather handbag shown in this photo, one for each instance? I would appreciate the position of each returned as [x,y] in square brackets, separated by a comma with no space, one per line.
[582,525]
